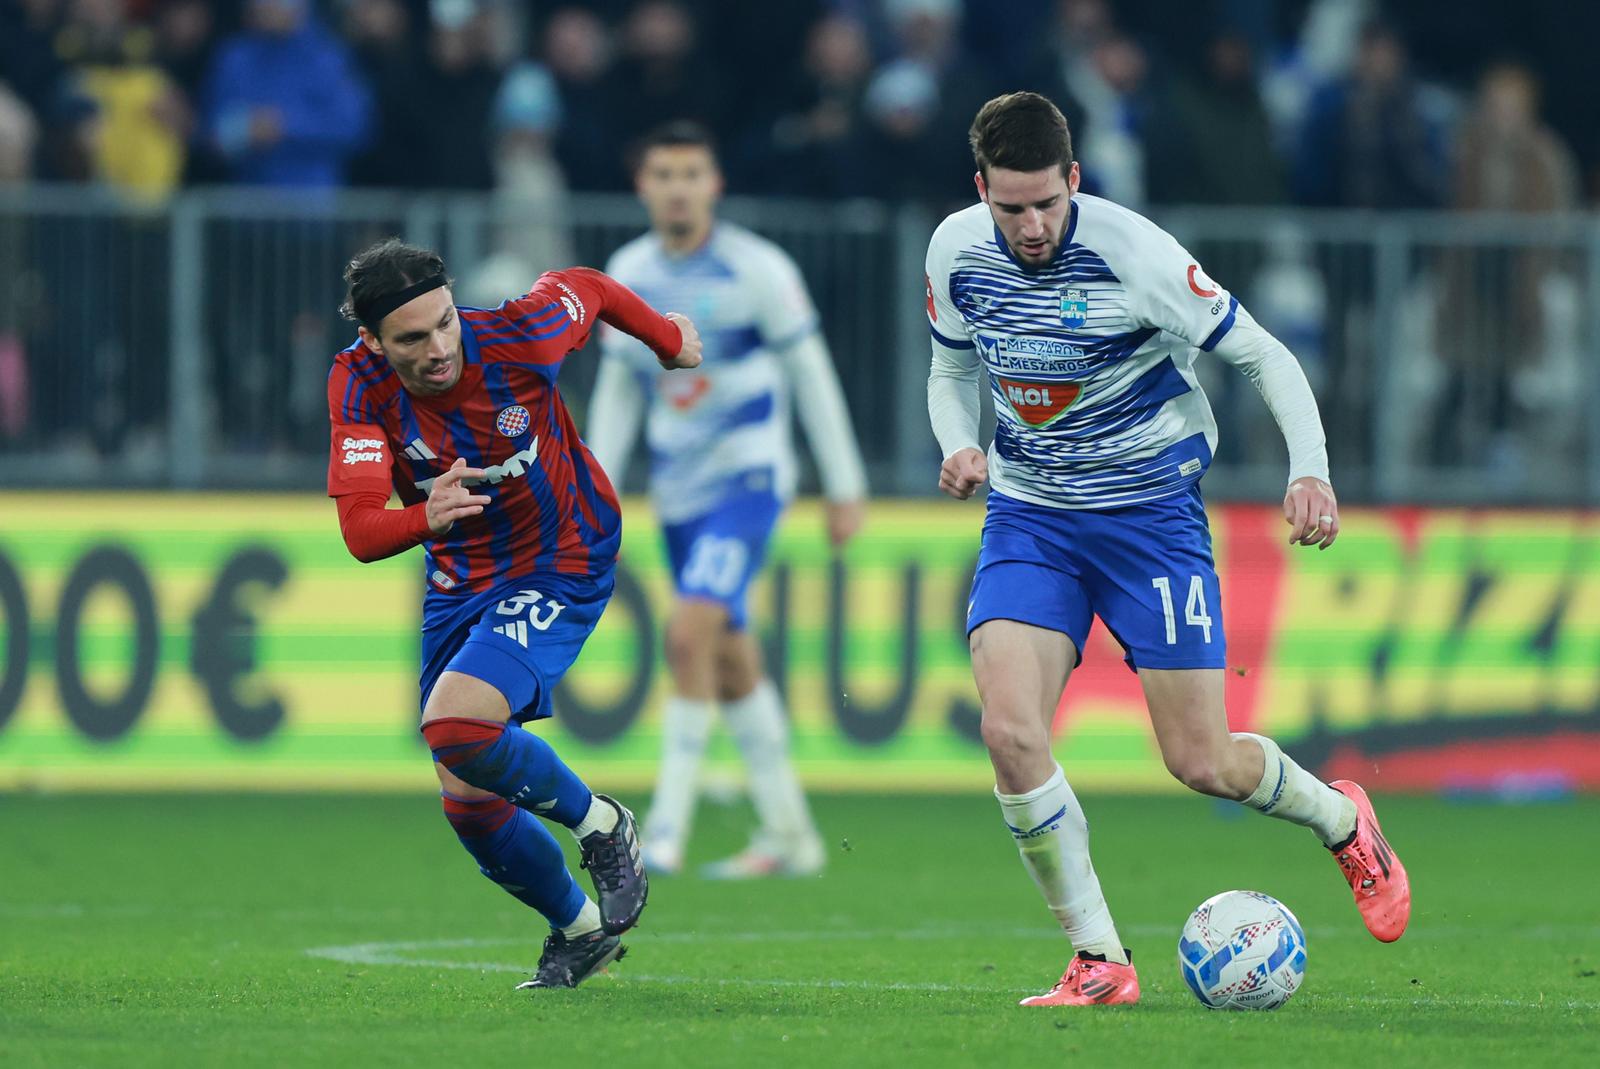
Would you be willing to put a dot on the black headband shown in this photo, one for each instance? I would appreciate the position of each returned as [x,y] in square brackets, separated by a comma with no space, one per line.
[384,305]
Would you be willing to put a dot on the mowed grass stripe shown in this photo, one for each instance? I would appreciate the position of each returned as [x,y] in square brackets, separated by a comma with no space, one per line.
[200,957]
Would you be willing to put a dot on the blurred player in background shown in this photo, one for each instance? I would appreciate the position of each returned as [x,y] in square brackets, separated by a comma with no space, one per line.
[723,469]
[1088,319]
[456,410]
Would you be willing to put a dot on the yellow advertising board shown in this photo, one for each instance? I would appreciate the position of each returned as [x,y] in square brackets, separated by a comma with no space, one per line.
[229,641]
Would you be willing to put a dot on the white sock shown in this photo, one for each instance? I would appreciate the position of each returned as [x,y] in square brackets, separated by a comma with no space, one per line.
[762,733]
[1290,793]
[1053,838]
[602,816]
[685,727]
[587,920]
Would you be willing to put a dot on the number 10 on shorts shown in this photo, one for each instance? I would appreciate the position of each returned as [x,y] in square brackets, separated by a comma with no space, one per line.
[1194,608]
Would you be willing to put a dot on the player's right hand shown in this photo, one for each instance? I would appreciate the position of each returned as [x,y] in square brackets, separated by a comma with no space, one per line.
[689,352]
[450,501]
[963,472]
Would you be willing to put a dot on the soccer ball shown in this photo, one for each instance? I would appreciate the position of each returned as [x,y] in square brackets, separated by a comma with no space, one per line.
[1242,950]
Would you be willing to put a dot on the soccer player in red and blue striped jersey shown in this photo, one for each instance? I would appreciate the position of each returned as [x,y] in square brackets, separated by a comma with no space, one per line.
[456,411]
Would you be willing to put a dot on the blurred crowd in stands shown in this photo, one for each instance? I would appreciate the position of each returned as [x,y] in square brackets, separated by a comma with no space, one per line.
[1316,102]
[1461,353]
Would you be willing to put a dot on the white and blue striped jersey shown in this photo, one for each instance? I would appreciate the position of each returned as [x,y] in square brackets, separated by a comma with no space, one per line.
[724,426]
[1090,357]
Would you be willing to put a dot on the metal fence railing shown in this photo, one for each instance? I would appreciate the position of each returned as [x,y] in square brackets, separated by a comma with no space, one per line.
[1456,358]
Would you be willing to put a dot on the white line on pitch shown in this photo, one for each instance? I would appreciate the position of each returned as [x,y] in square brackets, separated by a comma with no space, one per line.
[392,953]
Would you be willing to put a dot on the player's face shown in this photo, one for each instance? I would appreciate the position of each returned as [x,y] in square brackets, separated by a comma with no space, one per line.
[1030,208]
[422,342]
[680,185]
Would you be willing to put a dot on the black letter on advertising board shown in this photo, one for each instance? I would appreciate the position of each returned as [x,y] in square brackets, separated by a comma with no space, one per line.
[860,721]
[602,723]
[224,646]
[965,717]
[14,608]
[99,719]
[775,644]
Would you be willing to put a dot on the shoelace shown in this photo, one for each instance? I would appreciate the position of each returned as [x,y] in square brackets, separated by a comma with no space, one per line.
[607,860]
[550,969]
[1073,972]
[1354,863]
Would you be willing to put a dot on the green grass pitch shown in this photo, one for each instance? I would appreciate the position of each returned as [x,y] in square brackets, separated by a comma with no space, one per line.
[350,931]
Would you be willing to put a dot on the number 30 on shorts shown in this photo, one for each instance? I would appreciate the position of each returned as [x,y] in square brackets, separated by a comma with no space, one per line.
[716,565]
[1194,607]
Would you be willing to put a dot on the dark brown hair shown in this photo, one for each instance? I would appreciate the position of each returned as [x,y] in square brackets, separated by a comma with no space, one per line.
[1020,132]
[380,270]
[679,133]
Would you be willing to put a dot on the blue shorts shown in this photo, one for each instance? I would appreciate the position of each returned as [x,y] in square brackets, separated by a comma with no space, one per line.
[1145,570]
[714,557]
[519,636]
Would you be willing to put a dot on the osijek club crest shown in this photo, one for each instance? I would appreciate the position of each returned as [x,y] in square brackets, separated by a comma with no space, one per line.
[1074,306]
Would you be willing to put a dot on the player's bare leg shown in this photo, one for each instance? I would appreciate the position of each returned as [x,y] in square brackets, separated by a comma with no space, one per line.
[787,843]
[1191,727]
[1021,671]
[691,650]
[494,778]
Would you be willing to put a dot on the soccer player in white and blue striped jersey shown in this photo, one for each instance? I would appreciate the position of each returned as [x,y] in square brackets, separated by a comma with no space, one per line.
[1088,319]
[722,469]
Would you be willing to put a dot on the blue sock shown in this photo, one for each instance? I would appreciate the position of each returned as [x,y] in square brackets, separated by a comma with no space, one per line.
[517,765]
[518,853]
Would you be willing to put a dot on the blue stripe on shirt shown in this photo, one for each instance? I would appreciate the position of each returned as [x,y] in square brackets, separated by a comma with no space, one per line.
[758,409]
[730,343]
[1223,327]
[948,343]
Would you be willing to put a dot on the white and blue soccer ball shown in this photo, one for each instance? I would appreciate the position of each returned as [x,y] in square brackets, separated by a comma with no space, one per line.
[1242,950]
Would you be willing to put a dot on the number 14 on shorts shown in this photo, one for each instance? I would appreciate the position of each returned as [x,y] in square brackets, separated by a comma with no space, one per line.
[1194,608]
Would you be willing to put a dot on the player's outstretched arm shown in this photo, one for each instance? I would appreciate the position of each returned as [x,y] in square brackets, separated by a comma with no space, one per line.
[819,400]
[360,473]
[372,531]
[954,403]
[688,354]
[1309,506]
[1312,512]
[595,295]
[953,408]
[963,472]
[616,409]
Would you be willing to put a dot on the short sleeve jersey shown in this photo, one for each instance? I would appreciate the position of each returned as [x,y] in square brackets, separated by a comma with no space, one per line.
[1090,357]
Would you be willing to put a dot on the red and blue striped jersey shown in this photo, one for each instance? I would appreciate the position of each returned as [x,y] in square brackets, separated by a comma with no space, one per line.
[552,507]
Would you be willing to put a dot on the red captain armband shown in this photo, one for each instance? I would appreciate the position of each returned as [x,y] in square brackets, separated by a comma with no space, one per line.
[373,531]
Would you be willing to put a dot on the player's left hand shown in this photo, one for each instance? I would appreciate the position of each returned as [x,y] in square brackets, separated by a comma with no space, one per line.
[844,520]
[1312,513]
[689,351]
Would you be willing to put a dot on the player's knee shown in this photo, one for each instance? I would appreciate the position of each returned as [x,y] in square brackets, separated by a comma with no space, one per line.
[458,742]
[692,636]
[682,648]
[735,684]
[457,694]
[1200,772]
[1011,736]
